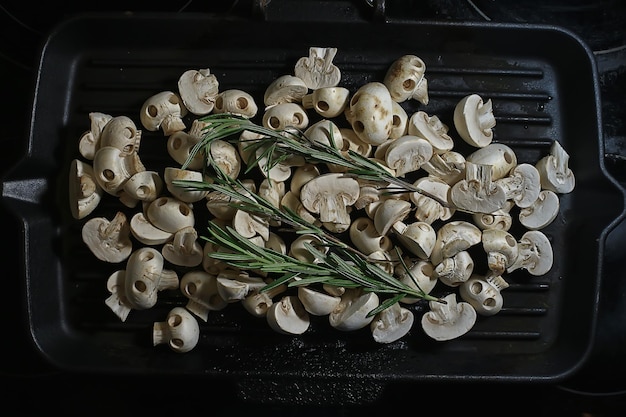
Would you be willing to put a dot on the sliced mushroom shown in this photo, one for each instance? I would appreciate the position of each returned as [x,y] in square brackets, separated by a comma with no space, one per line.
[226,157]
[146,232]
[418,237]
[285,89]
[117,301]
[182,193]
[164,110]
[143,186]
[454,237]
[317,70]
[330,195]
[234,286]
[448,166]
[522,185]
[405,79]
[535,253]
[112,168]
[389,212]
[200,288]
[352,312]
[370,113]
[316,302]
[432,129]
[180,331]
[328,102]
[180,146]
[420,276]
[89,141]
[288,316]
[170,214]
[198,89]
[484,293]
[500,219]
[407,154]
[477,193]
[259,302]
[84,192]
[121,133]
[286,115]
[501,249]
[237,102]
[366,238]
[427,209]
[555,172]
[391,324]
[399,121]
[146,276]
[542,212]
[455,270]
[449,320]
[184,249]
[474,120]
[108,240]
[249,225]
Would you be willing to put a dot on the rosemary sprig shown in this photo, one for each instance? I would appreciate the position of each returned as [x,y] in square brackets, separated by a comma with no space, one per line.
[279,145]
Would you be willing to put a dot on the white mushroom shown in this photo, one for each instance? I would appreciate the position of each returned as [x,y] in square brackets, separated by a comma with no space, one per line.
[226,157]
[316,302]
[352,313]
[542,212]
[183,249]
[554,170]
[89,141]
[391,324]
[84,192]
[288,316]
[449,320]
[285,115]
[237,102]
[455,270]
[234,286]
[147,233]
[298,249]
[259,302]
[143,186]
[317,70]
[164,110]
[501,248]
[500,156]
[330,195]
[250,224]
[117,301]
[180,146]
[198,89]
[328,102]
[474,120]
[418,237]
[431,128]
[534,253]
[182,193]
[389,212]
[484,293]
[121,133]
[453,237]
[146,276]
[522,185]
[200,288]
[448,166]
[477,193]
[407,154]
[420,276]
[112,168]
[353,143]
[180,331]
[302,175]
[285,89]
[427,209]
[405,79]
[500,219]
[365,237]
[292,202]
[170,214]
[399,121]
[370,113]
[108,240]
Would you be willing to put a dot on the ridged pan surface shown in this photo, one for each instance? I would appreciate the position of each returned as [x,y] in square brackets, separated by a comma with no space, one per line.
[543,86]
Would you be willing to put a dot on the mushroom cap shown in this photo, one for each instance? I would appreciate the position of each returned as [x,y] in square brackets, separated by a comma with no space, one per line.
[418,238]
[329,195]
[483,296]
[448,321]
[370,113]
[535,253]
[170,214]
[542,212]
[365,237]
[328,102]
[288,316]
[180,331]
[317,302]
[474,120]
[501,157]
[421,274]
[198,90]
[146,232]
[390,211]
[285,89]
[235,101]
[285,115]
[404,76]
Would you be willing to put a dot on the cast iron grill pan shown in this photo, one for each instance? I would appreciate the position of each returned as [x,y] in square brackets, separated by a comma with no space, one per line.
[543,86]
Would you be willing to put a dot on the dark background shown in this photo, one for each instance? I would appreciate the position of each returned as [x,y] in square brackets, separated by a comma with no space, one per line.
[599,389]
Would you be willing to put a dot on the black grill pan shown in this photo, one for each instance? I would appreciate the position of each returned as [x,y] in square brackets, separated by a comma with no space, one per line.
[542,81]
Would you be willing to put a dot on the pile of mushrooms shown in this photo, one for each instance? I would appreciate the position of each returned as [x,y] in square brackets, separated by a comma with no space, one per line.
[459,244]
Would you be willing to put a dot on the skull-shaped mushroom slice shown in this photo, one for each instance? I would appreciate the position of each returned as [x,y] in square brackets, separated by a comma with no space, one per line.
[198,89]
[237,102]
[365,237]
[391,324]
[474,120]
[554,170]
[164,110]
[449,320]
[122,133]
[352,313]
[400,121]
[259,302]
[285,115]
[420,276]
[146,276]
[499,156]
[534,253]
[328,102]
[455,270]
[143,186]
[432,129]
[317,70]
[390,211]
[89,141]
[108,240]
[84,192]
[405,79]
[180,146]
[200,288]
[542,212]
[285,89]
[170,214]
[180,331]
[454,237]
[330,195]
[370,113]
[501,249]
[484,293]
[112,168]
[500,219]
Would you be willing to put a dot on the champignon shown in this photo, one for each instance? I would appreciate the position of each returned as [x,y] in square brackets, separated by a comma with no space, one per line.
[198,89]
[449,319]
[474,120]
[108,240]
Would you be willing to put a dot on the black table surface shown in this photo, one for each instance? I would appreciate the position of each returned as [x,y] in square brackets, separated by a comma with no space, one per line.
[598,389]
